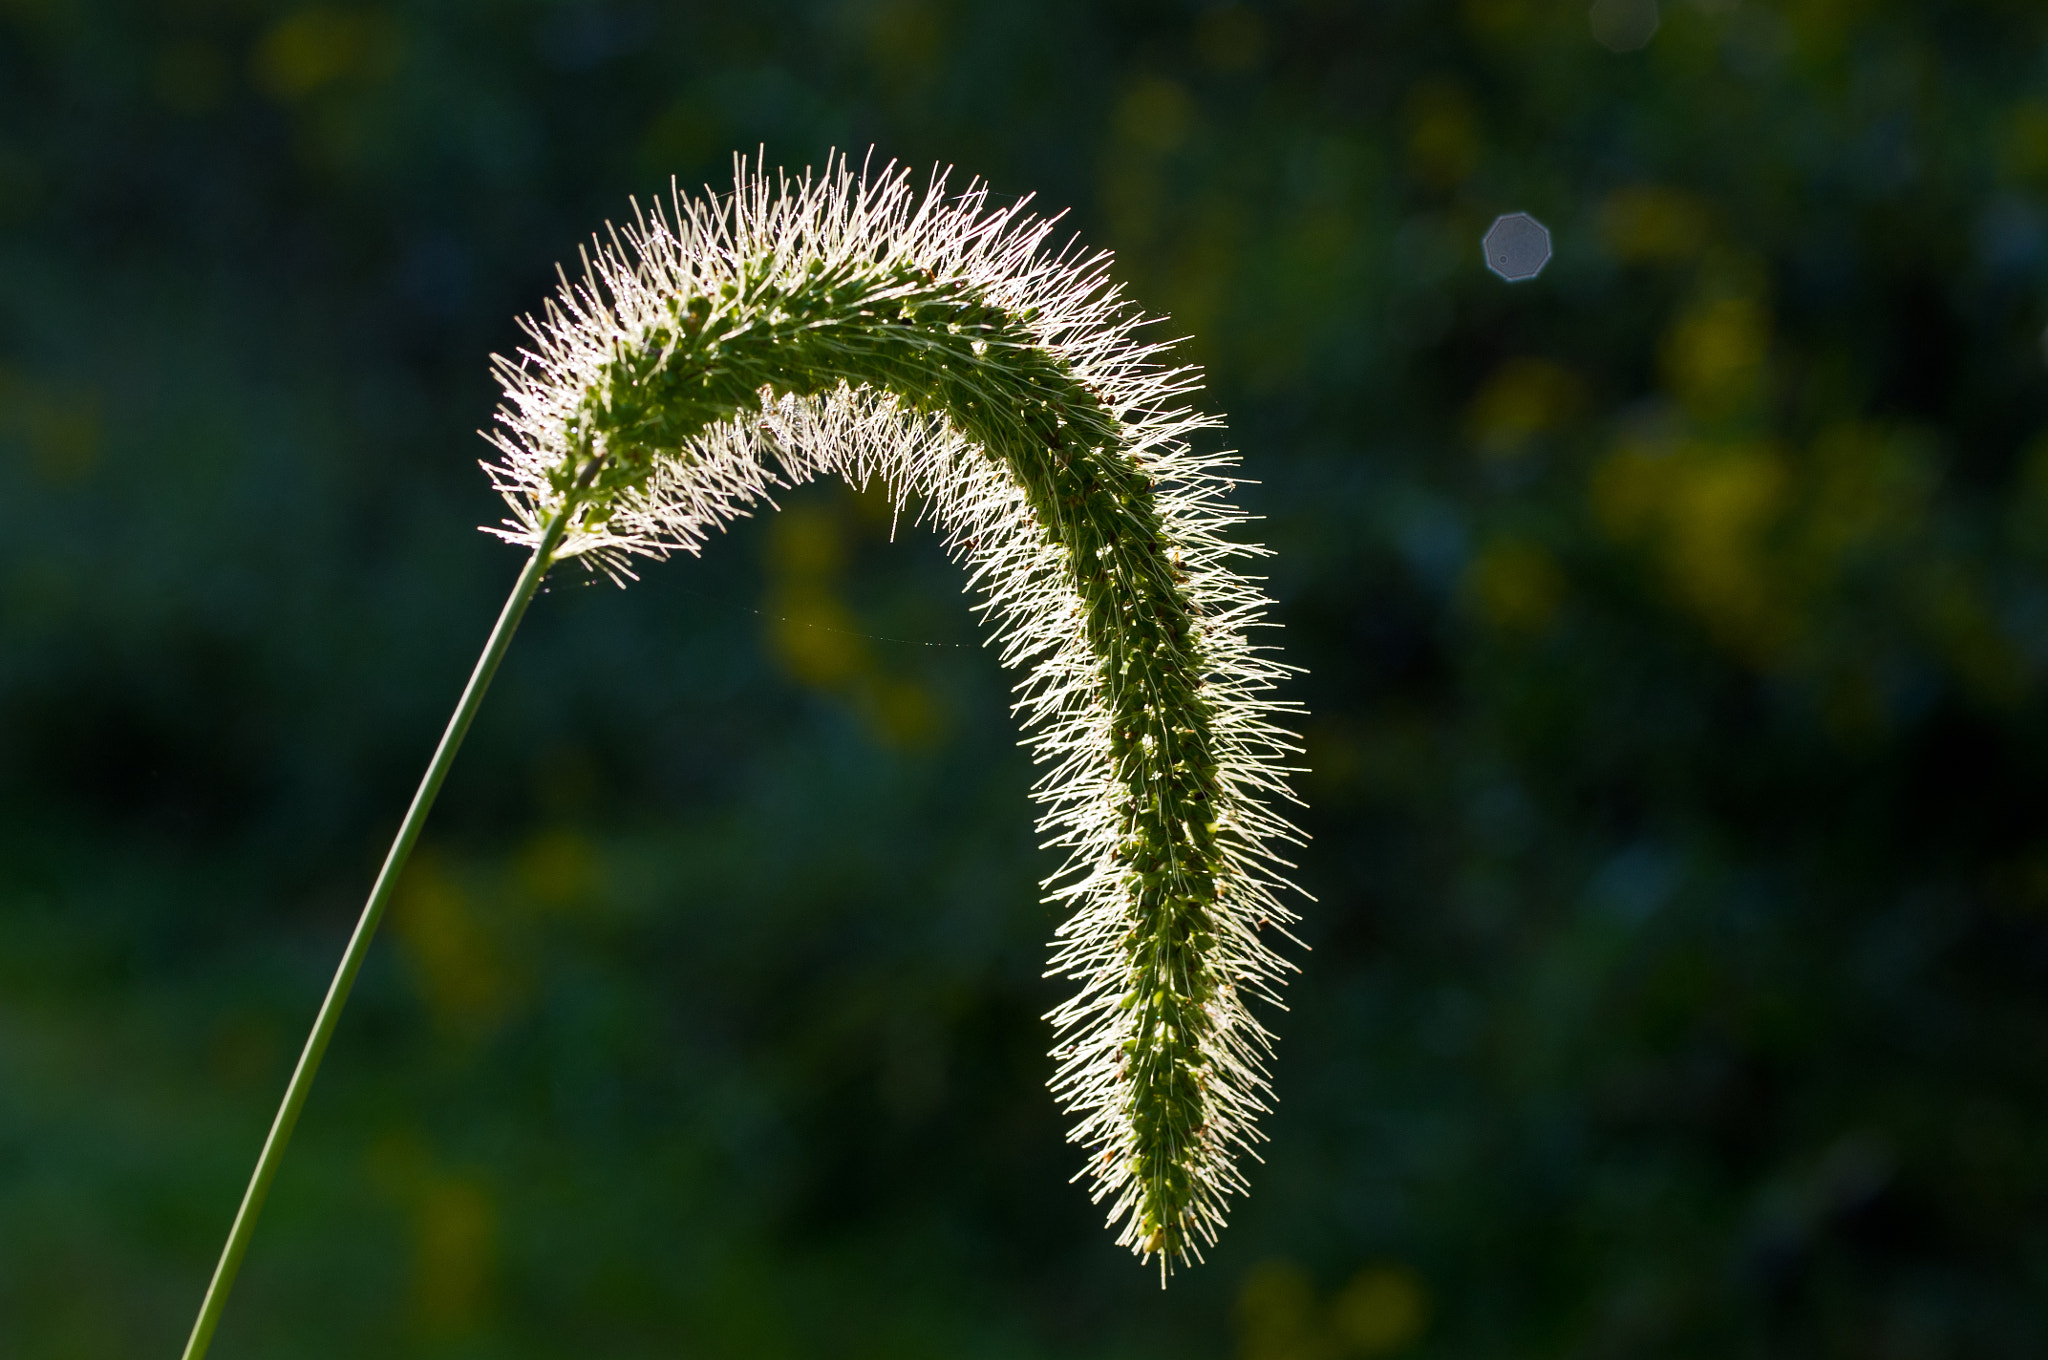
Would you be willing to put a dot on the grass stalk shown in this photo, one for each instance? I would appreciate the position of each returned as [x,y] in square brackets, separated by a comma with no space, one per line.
[373,912]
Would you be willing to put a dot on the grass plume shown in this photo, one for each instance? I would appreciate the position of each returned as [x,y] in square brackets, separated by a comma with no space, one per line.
[723,346]
[728,345]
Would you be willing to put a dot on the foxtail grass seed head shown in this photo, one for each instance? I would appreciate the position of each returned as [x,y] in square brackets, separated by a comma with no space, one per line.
[723,347]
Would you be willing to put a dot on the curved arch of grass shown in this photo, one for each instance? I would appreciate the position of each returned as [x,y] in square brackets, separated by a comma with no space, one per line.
[847,325]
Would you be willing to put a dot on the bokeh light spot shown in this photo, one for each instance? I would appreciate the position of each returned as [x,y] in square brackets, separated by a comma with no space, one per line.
[1522,399]
[456,1227]
[458,967]
[1517,247]
[1382,1310]
[1444,138]
[559,868]
[1713,355]
[905,37]
[1276,1313]
[1516,586]
[57,423]
[1155,115]
[315,47]
[1651,223]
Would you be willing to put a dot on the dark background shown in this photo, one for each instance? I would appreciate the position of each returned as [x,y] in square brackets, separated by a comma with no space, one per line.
[1675,626]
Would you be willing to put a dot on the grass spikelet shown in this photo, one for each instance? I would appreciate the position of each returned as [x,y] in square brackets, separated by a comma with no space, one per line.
[722,347]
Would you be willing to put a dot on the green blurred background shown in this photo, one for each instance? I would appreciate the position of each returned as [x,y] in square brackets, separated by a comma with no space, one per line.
[1676,634]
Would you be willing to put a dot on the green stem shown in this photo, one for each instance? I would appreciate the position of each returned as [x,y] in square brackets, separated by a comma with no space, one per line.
[373,912]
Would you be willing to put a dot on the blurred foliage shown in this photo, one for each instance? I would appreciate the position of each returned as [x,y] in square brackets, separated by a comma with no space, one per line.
[1675,628]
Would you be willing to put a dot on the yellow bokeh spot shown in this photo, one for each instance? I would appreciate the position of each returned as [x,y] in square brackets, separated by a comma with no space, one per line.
[59,424]
[1155,115]
[1335,754]
[905,37]
[1523,398]
[1821,28]
[902,713]
[461,972]
[455,1225]
[1714,356]
[873,508]
[1629,487]
[1497,20]
[1276,1315]
[2024,148]
[817,640]
[559,868]
[1516,586]
[805,543]
[1708,509]
[1443,134]
[1384,1309]
[1726,503]
[1654,224]
[319,46]
[812,636]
